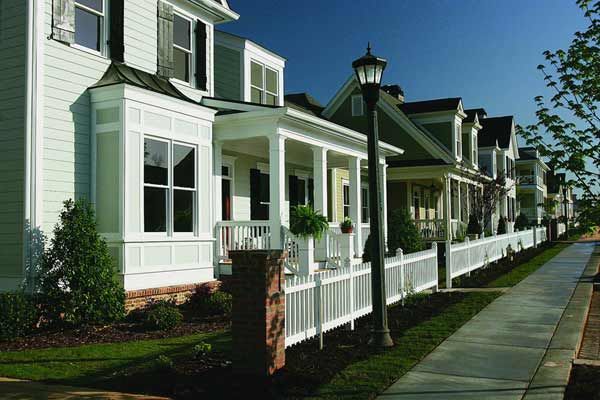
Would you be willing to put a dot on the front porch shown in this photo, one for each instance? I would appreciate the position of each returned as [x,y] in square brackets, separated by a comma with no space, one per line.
[264,167]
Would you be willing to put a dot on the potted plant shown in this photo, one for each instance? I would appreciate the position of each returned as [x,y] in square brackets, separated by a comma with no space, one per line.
[307,225]
[474,228]
[346,225]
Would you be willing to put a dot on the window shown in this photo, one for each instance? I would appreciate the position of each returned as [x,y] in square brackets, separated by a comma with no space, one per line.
[458,142]
[357,105]
[364,197]
[417,204]
[169,186]
[264,84]
[346,199]
[264,195]
[302,191]
[89,24]
[182,48]
[475,155]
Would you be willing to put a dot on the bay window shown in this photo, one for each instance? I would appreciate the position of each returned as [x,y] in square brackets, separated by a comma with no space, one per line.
[169,186]
[264,84]
[182,48]
[90,24]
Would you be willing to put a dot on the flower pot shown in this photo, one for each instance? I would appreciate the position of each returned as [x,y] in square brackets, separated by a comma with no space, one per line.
[348,229]
[473,236]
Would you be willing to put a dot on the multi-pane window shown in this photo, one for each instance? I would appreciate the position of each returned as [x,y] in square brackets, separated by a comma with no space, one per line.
[458,142]
[182,48]
[169,186]
[475,155]
[264,84]
[357,105]
[346,199]
[364,198]
[89,24]
[417,204]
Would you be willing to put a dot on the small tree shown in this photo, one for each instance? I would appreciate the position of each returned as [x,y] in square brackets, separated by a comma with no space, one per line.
[77,274]
[474,226]
[403,233]
[502,226]
[522,222]
[485,201]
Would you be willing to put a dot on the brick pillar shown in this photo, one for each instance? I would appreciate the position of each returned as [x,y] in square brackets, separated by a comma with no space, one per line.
[258,313]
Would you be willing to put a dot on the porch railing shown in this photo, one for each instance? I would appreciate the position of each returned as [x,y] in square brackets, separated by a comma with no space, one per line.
[431,228]
[290,243]
[242,235]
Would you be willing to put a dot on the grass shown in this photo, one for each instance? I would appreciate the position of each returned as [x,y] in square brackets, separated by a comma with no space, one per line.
[94,365]
[522,271]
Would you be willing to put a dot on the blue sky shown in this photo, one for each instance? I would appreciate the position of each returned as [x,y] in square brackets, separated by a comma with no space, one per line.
[484,51]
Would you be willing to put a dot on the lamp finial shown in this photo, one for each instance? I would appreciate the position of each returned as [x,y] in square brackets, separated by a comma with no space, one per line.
[369,48]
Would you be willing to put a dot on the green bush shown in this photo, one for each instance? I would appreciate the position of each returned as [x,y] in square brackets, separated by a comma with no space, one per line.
[164,363]
[306,222]
[18,315]
[77,273]
[163,316]
[474,227]
[207,303]
[501,226]
[202,349]
[522,222]
[366,257]
[403,233]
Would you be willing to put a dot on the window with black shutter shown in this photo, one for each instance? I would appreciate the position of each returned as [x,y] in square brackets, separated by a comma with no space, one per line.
[259,195]
[201,56]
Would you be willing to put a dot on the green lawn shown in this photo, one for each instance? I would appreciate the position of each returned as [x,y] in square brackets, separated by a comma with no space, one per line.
[94,365]
[520,272]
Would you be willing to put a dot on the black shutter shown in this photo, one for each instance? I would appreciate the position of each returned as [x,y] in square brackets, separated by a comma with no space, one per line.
[116,43]
[293,190]
[255,206]
[165,40]
[201,39]
[63,21]
[311,193]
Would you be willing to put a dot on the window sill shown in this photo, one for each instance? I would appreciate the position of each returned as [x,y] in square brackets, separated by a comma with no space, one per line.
[88,51]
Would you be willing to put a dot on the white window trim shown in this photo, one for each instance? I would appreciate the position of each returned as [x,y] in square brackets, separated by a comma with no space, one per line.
[104,34]
[192,61]
[229,162]
[363,202]
[169,232]
[264,91]
[355,112]
[345,182]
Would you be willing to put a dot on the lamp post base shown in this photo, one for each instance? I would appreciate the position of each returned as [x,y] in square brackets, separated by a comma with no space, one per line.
[381,338]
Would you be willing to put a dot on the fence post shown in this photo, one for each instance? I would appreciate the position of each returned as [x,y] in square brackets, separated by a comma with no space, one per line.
[435,251]
[319,309]
[468,245]
[400,255]
[535,237]
[348,264]
[448,264]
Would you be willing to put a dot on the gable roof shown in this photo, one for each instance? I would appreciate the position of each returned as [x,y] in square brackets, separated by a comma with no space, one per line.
[427,106]
[527,153]
[304,102]
[480,113]
[496,130]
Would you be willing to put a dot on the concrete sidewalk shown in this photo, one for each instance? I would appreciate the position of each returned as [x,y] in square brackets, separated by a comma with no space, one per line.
[519,347]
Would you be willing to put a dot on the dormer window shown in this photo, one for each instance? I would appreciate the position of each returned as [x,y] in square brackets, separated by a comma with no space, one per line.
[89,24]
[475,155]
[182,48]
[357,106]
[264,84]
[458,142]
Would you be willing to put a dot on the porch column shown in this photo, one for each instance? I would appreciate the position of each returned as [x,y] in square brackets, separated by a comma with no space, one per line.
[459,215]
[383,186]
[447,206]
[468,188]
[320,179]
[320,194]
[276,187]
[355,203]
[217,165]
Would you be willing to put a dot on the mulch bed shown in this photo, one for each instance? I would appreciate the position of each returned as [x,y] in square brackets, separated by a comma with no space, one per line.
[584,383]
[115,333]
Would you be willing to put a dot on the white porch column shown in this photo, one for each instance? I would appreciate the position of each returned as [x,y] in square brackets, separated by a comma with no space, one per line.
[459,215]
[447,207]
[320,194]
[355,203]
[468,189]
[276,187]
[320,179]
[217,167]
[383,179]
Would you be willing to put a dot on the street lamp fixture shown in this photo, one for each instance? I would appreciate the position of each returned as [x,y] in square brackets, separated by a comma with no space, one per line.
[369,70]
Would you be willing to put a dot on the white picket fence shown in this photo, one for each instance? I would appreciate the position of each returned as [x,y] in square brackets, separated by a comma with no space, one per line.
[317,303]
[561,228]
[463,258]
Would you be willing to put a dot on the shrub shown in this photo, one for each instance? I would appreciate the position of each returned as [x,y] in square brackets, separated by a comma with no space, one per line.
[403,233]
[18,315]
[502,226]
[346,223]
[162,315]
[208,303]
[474,227]
[164,363]
[202,349]
[306,222]
[366,257]
[522,222]
[77,273]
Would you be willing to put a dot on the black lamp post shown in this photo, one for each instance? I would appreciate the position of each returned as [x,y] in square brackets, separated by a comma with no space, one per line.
[369,70]
[566,210]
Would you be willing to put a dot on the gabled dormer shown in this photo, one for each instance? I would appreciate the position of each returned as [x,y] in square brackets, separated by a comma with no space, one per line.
[443,118]
[470,129]
[247,71]
[499,133]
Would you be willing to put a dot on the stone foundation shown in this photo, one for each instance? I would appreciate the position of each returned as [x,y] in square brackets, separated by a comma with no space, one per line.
[137,299]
